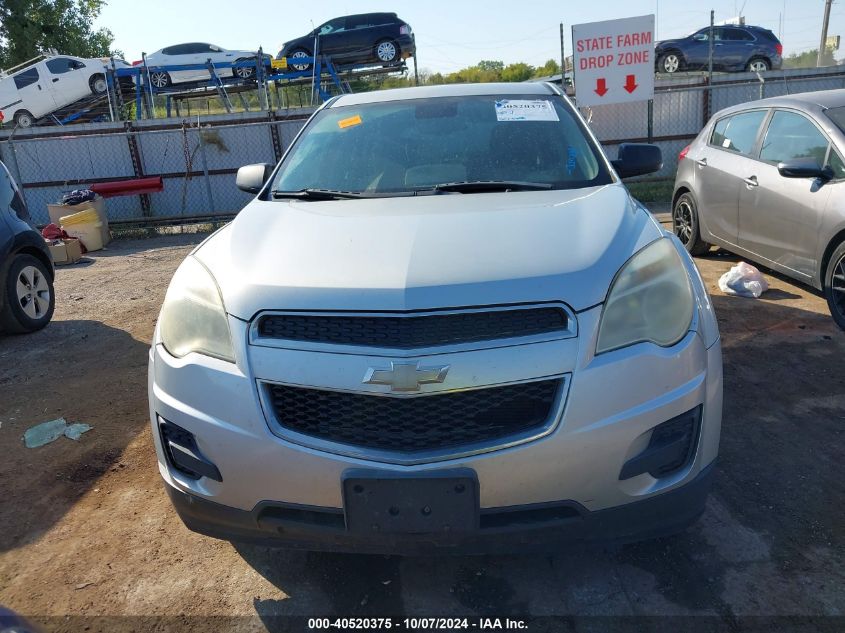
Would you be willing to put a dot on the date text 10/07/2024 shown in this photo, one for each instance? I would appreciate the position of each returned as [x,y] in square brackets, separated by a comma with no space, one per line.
[415,624]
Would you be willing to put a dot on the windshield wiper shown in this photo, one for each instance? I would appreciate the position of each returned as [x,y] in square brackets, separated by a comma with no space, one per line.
[491,185]
[332,194]
[319,194]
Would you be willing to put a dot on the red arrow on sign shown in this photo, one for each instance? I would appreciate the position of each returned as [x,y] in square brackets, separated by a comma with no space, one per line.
[630,83]
[601,87]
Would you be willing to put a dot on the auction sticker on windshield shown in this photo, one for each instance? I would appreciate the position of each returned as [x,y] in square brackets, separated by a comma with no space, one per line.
[525,110]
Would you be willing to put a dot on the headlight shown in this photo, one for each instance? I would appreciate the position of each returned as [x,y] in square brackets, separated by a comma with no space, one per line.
[650,300]
[193,318]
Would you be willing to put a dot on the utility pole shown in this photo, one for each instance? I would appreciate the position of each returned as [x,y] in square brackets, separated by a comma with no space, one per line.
[823,42]
[562,61]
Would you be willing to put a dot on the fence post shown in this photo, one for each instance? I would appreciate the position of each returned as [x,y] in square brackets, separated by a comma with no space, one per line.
[274,136]
[13,163]
[205,169]
[137,166]
[651,120]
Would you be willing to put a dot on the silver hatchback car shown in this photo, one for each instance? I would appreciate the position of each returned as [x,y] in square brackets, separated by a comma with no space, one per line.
[766,180]
[442,323]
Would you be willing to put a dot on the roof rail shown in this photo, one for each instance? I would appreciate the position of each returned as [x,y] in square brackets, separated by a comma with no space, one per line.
[14,69]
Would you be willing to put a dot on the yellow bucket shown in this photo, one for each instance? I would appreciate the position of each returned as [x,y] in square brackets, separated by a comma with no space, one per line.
[85,225]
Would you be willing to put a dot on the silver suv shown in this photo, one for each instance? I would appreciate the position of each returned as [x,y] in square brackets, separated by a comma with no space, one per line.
[443,323]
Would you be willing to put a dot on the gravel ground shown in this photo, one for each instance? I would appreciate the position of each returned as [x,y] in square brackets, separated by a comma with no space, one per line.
[87,530]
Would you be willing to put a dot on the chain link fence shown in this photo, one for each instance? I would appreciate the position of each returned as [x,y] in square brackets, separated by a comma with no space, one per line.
[196,160]
[197,157]
[681,107]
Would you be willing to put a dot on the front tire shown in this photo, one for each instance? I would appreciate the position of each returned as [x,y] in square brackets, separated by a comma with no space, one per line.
[669,63]
[299,53]
[243,72]
[30,299]
[834,285]
[387,51]
[160,79]
[685,225]
[98,85]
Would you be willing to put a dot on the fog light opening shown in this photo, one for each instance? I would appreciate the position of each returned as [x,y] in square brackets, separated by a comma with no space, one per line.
[183,454]
[670,449]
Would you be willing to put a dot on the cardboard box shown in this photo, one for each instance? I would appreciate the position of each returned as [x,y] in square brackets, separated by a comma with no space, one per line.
[65,251]
[57,211]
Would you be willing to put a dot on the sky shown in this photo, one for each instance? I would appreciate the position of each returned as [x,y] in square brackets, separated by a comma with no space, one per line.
[450,34]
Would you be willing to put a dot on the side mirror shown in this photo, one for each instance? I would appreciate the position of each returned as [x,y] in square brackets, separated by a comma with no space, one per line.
[804,168]
[636,159]
[700,37]
[251,178]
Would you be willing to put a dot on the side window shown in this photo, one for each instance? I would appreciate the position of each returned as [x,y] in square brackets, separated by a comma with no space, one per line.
[170,50]
[333,26]
[60,65]
[736,35]
[738,132]
[834,161]
[26,78]
[791,135]
[358,22]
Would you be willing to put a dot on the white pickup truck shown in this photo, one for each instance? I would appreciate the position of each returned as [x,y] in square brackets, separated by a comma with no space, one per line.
[48,83]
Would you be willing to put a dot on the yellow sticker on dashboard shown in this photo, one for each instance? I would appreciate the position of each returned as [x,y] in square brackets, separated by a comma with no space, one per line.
[350,121]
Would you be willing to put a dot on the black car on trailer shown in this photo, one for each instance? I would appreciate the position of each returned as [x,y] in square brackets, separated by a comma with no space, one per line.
[365,38]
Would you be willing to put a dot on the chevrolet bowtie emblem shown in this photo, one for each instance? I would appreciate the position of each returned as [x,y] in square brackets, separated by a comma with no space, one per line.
[405,376]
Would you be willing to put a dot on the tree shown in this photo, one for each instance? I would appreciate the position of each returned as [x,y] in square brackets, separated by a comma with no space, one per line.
[551,67]
[517,72]
[30,27]
[490,66]
[808,59]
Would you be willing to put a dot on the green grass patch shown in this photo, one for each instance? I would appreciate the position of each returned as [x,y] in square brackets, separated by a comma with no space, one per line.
[652,190]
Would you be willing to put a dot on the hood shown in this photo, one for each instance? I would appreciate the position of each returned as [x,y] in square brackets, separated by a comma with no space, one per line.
[427,252]
[665,43]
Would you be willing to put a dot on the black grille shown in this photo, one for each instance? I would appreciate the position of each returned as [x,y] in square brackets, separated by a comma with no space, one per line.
[420,423]
[410,332]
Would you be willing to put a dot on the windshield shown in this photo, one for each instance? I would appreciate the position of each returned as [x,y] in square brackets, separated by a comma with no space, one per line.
[418,144]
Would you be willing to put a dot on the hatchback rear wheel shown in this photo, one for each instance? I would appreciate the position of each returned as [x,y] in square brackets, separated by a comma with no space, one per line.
[834,286]
[30,299]
[685,225]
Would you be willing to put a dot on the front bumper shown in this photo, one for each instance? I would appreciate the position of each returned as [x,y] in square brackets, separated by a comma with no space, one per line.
[613,403]
[273,524]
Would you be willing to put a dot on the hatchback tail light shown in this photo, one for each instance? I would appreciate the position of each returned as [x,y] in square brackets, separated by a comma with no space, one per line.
[683,153]
[779,49]
[405,29]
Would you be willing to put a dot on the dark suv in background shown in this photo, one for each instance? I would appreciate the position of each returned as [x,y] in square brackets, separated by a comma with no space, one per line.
[377,38]
[26,266]
[735,48]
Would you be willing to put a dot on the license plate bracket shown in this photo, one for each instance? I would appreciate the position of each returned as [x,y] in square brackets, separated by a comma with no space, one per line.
[432,503]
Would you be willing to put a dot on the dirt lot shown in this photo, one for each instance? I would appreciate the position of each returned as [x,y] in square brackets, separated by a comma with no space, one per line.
[87,530]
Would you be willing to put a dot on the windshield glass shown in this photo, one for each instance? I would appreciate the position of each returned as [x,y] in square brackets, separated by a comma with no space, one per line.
[411,145]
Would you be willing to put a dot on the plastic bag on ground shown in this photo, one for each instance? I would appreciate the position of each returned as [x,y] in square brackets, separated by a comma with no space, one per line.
[743,280]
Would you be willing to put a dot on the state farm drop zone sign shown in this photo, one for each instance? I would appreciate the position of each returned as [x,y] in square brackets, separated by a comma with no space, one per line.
[594,50]
[613,61]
